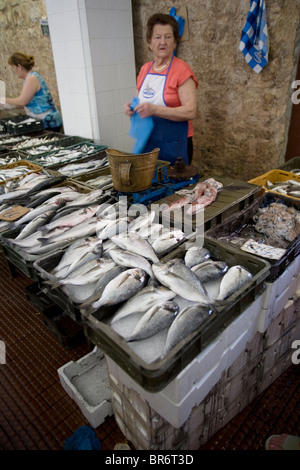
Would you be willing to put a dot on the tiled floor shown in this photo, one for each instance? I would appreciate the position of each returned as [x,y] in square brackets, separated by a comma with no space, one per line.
[37,414]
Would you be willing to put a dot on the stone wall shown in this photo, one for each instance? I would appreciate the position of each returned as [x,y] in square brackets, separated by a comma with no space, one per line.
[243,118]
[20,30]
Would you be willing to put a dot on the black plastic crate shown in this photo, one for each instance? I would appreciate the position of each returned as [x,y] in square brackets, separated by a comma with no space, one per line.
[158,374]
[11,157]
[17,126]
[291,165]
[235,223]
[40,300]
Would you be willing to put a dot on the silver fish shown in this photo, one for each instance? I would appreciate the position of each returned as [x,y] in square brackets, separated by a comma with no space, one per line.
[121,288]
[98,287]
[87,273]
[89,255]
[131,241]
[210,270]
[156,319]
[32,214]
[142,301]
[75,253]
[36,223]
[180,278]
[167,240]
[70,220]
[144,220]
[153,230]
[87,198]
[130,260]
[83,229]
[186,322]
[112,228]
[234,279]
[196,255]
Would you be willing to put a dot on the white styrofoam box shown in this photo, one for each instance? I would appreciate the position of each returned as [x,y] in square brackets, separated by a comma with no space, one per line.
[86,382]
[189,388]
[277,294]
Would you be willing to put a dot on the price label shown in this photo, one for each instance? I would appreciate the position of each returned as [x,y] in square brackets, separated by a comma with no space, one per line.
[14,213]
[260,249]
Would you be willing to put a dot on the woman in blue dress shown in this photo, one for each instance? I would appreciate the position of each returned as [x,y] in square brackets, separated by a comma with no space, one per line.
[35,96]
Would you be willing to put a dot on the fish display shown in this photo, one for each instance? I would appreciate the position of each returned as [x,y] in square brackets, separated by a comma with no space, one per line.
[33,141]
[80,168]
[65,155]
[202,195]
[290,187]
[10,159]
[15,172]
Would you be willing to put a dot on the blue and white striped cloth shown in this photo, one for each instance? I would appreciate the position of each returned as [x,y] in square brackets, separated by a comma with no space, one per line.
[254,39]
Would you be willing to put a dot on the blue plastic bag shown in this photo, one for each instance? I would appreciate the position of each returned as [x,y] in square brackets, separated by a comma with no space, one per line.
[140,128]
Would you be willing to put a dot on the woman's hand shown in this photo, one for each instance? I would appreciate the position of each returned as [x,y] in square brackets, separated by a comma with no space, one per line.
[127,110]
[145,109]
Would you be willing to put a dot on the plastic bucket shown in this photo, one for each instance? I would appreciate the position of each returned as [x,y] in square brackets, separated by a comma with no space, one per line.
[132,172]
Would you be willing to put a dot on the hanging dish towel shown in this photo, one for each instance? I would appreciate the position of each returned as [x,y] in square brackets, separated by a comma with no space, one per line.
[254,38]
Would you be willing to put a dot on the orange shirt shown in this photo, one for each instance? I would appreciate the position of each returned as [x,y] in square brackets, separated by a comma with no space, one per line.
[179,72]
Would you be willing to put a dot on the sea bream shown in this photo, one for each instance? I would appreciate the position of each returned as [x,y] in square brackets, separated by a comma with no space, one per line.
[76,252]
[121,288]
[178,277]
[186,322]
[196,255]
[156,319]
[131,241]
[130,260]
[234,279]
[210,270]
[142,301]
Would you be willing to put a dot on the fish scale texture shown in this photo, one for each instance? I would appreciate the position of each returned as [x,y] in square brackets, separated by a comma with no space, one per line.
[37,414]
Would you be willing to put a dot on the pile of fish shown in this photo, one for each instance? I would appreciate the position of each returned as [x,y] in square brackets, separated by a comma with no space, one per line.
[12,139]
[180,301]
[123,273]
[201,196]
[15,172]
[290,187]
[57,217]
[41,149]
[28,120]
[10,159]
[102,181]
[33,141]
[76,169]
[65,155]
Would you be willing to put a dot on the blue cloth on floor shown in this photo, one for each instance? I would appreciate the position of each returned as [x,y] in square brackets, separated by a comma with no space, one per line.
[254,39]
[84,438]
